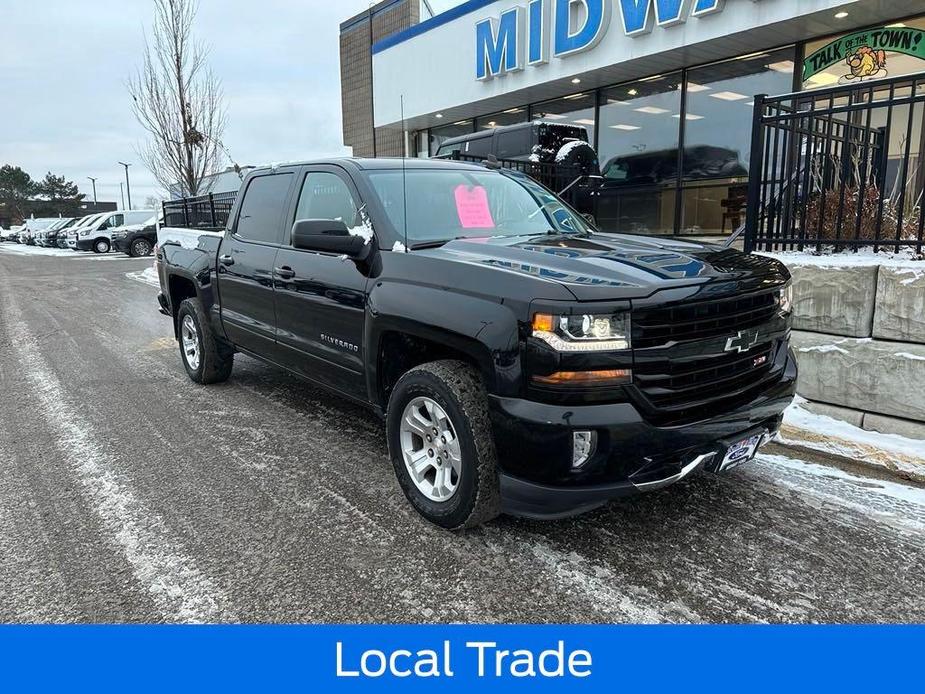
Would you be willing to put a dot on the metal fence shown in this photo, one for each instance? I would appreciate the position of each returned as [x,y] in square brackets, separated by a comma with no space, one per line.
[204,212]
[841,167]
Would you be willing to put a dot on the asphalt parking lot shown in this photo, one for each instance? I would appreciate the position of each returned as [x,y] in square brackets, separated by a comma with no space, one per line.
[130,494]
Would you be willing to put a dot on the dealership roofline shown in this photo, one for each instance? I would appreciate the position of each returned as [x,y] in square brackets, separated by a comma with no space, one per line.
[432,23]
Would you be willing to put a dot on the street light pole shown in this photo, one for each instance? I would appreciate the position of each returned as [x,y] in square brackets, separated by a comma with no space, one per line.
[128,187]
[122,194]
[94,188]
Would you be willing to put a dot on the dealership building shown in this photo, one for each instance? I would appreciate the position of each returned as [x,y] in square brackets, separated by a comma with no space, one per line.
[664,88]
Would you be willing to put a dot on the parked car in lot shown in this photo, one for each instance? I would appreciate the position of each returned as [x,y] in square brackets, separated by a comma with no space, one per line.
[33,227]
[10,235]
[522,361]
[136,240]
[96,237]
[49,237]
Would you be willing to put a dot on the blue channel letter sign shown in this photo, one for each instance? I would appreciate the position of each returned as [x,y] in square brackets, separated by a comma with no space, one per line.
[526,35]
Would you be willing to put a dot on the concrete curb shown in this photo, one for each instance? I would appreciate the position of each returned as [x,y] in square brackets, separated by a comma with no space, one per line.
[846,451]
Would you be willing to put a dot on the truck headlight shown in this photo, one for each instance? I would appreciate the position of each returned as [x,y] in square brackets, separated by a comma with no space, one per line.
[583,332]
[786,299]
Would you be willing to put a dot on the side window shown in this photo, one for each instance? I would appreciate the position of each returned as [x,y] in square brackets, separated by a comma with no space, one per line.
[515,144]
[262,208]
[478,148]
[327,196]
[114,221]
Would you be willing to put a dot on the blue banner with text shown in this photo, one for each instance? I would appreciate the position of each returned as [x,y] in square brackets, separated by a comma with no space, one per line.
[458,658]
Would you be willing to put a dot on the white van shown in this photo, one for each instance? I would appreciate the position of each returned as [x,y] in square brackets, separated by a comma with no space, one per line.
[96,236]
[83,223]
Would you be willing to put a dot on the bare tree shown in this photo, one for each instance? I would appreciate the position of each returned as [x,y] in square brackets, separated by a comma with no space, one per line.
[179,101]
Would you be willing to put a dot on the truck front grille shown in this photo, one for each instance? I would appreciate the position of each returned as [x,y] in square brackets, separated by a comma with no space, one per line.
[696,321]
[682,370]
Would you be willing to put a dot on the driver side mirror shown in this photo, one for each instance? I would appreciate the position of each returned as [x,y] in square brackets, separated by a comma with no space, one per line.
[327,236]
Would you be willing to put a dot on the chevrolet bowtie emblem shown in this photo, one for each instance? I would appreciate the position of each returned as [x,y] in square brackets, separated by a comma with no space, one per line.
[744,341]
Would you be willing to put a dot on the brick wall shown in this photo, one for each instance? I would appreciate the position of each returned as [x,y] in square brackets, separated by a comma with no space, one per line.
[356,74]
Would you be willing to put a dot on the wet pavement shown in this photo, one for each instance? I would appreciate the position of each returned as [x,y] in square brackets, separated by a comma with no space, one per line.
[130,494]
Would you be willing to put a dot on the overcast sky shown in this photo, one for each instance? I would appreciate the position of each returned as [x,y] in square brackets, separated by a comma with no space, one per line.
[64,66]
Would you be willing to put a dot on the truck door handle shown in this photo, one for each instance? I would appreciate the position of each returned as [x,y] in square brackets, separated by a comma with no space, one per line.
[226,260]
[287,273]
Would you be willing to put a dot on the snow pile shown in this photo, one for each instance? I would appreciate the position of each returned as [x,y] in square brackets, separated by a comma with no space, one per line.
[399,247]
[824,349]
[185,238]
[833,436]
[147,276]
[865,257]
[363,226]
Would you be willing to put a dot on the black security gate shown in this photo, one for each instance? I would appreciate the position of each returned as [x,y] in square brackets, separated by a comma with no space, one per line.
[841,167]
[204,212]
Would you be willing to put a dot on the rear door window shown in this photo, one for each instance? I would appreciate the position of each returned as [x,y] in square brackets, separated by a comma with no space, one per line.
[261,215]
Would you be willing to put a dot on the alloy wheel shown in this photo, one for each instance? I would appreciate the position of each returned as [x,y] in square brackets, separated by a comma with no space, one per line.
[430,449]
[189,337]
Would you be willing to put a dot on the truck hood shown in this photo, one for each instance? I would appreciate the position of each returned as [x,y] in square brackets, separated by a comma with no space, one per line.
[610,266]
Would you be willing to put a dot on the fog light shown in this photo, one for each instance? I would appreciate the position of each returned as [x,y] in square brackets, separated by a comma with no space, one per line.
[584,445]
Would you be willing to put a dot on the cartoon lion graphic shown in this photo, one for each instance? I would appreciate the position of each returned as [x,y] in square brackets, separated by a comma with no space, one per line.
[865,64]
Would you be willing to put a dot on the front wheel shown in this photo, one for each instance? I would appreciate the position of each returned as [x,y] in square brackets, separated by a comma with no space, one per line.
[206,359]
[441,445]
[101,246]
[139,248]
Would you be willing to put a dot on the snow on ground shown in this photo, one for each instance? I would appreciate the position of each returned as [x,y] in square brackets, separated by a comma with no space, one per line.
[865,257]
[829,435]
[146,276]
[20,249]
[899,504]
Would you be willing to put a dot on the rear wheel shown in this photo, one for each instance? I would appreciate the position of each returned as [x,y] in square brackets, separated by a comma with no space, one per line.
[101,246]
[139,248]
[207,360]
[441,444]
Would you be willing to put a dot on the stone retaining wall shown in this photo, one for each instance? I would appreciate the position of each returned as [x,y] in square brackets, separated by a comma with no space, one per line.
[859,336]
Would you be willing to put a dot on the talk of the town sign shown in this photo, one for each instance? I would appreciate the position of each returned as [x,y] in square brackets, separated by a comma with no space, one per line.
[526,35]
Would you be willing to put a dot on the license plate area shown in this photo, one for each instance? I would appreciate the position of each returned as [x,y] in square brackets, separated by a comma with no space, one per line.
[741,451]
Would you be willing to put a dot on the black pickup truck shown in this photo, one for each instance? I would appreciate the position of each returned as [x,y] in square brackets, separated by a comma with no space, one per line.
[523,362]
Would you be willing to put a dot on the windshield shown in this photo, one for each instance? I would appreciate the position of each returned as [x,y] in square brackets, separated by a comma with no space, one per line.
[41,224]
[87,221]
[446,204]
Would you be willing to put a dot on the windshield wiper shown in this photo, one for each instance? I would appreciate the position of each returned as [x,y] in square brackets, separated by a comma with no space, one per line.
[434,244]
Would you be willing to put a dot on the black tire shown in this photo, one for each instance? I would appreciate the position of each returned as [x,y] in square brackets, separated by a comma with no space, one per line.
[101,246]
[216,358]
[140,247]
[458,389]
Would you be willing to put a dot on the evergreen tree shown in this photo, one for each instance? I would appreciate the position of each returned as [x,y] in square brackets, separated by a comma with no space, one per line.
[16,190]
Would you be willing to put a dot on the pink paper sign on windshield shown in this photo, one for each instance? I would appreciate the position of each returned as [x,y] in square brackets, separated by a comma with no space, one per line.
[472,207]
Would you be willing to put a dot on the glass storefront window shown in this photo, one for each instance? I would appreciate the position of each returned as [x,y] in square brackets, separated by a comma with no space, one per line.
[638,147]
[892,50]
[512,116]
[440,135]
[577,109]
[717,136]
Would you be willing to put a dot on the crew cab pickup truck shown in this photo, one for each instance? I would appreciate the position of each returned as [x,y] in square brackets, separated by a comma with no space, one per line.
[523,362]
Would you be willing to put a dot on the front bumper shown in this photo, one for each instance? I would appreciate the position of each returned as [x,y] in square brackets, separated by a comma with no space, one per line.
[84,244]
[633,456]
